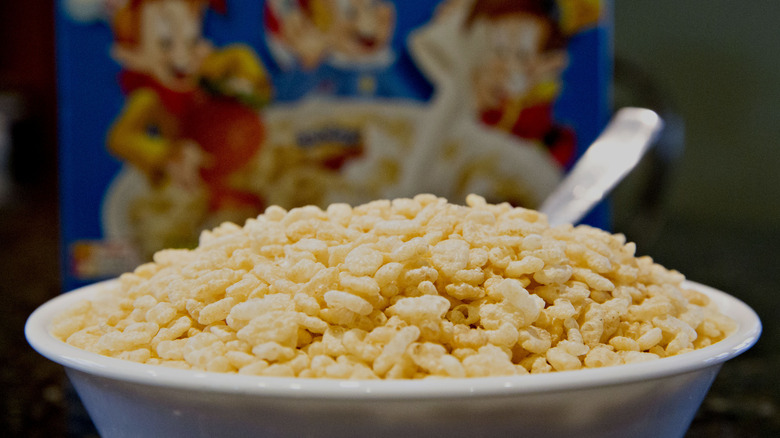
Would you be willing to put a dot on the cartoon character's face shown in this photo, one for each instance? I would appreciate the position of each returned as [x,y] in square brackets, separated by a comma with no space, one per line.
[362,27]
[171,47]
[513,60]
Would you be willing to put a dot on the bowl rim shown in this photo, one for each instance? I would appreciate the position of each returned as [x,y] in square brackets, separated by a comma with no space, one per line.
[38,336]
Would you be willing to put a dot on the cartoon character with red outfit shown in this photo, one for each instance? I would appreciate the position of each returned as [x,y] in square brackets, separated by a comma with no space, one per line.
[517,76]
[190,119]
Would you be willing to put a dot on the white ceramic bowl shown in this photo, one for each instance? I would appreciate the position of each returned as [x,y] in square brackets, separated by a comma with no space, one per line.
[651,399]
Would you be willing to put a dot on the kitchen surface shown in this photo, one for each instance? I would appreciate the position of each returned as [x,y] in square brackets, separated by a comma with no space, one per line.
[703,202]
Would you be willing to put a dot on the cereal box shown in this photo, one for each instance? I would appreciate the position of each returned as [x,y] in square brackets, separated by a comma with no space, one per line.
[178,115]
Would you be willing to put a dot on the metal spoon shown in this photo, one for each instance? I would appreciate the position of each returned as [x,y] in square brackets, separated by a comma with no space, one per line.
[606,162]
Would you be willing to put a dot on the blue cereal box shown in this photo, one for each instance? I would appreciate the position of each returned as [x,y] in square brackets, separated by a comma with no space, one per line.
[178,115]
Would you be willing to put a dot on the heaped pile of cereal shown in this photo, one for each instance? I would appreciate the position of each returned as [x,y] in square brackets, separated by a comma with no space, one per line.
[408,288]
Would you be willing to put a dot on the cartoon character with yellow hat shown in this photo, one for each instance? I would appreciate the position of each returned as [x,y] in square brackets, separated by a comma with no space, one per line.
[517,75]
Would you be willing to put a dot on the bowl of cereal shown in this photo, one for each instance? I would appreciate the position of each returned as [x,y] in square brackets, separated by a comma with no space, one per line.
[411,316]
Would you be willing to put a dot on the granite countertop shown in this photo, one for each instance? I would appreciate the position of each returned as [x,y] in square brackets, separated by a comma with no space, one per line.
[744,400]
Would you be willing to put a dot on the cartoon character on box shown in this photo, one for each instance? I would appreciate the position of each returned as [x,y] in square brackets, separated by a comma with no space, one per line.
[497,70]
[517,75]
[333,47]
[190,119]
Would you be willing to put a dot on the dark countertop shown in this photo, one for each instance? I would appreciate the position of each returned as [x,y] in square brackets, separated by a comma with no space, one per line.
[744,400]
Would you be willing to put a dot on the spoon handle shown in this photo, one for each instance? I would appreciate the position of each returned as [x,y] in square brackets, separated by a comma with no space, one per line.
[610,158]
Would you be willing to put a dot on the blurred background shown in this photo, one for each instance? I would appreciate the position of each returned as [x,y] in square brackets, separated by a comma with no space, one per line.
[704,202]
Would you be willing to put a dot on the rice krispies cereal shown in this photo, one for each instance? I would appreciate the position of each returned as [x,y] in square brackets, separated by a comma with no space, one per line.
[397,289]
